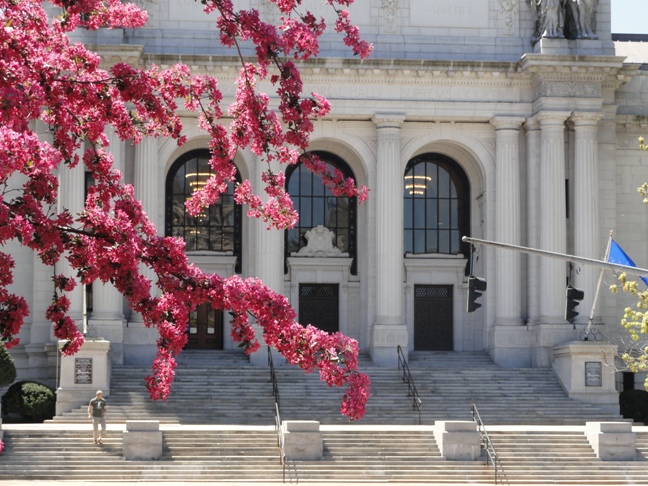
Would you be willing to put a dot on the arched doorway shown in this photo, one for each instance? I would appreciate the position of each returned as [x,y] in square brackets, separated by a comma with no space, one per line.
[213,233]
[436,215]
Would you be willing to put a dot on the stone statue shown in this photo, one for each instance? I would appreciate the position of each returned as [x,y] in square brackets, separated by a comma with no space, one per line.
[582,19]
[570,19]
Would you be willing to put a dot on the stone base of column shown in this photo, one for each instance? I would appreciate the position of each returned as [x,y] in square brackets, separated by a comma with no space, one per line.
[139,345]
[112,330]
[545,337]
[586,371]
[385,339]
[510,346]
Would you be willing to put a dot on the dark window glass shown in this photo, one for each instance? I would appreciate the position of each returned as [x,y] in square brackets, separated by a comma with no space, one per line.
[217,228]
[436,206]
[317,206]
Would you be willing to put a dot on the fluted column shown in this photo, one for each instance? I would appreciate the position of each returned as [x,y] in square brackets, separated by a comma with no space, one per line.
[145,182]
[533,201]
[107,319]
[72,197]
[146,179]
[553,226]
[107,302]
[269,251]
[269,261]
[389,328]
[507,219]
[586,207]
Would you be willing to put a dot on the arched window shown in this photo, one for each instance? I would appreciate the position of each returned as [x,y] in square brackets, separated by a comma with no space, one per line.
[436,206]
[317,206]
[216,228]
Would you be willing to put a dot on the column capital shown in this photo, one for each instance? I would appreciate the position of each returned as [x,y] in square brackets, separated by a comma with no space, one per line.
[586,118]
[553,118]
[506,122]
[388,120]
[531,124]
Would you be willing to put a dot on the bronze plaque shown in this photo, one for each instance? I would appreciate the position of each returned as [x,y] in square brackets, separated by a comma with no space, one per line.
[593,373]
[83,371]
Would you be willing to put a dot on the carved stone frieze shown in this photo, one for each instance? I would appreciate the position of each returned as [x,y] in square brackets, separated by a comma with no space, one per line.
[570,89]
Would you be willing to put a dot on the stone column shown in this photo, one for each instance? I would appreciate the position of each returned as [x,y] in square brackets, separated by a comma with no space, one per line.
[586,208]
[533,201]
[107,319]
[146,178]
[553,226]
[507,220]
[389,329]
[139,342]
[269,262]
[508,338]
[72,197]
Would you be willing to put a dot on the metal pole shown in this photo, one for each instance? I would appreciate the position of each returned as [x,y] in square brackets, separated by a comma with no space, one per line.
[639,272]
[600,281]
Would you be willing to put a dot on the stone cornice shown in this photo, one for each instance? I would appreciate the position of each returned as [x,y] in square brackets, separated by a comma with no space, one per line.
[112,54]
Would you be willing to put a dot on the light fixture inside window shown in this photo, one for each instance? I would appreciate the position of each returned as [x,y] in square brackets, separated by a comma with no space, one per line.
[416,184]
[200,179]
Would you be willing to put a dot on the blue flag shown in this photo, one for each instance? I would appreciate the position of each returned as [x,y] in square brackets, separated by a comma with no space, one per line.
[617,255]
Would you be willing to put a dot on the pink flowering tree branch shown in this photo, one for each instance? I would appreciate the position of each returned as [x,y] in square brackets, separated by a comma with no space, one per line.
[46,79]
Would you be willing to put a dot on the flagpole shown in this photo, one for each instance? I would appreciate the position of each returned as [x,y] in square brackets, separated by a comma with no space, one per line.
[600,281]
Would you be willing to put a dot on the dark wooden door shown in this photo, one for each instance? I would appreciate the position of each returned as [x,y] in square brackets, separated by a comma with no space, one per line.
[433,318]
[319,306]
[205,328]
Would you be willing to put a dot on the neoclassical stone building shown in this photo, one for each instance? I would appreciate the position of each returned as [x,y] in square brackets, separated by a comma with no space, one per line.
[459,124]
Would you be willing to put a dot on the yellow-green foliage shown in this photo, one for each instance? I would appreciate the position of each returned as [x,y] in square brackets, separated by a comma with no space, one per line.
[635,319]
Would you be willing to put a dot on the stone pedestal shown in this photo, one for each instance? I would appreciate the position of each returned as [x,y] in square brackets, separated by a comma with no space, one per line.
[142,440]
[458,440]
[586,372]
[302,440]
[83,374]
[612,441]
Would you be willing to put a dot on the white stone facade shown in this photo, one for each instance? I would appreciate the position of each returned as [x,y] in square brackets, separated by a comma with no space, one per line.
[457,78]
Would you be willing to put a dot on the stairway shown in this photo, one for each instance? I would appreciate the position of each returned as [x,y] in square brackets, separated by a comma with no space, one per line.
[224,388]
[542,457]
[351,454]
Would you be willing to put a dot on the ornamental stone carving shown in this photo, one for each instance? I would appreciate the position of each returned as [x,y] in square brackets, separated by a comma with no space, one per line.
[570,89]
[508,13]
[390,9]
[320,244]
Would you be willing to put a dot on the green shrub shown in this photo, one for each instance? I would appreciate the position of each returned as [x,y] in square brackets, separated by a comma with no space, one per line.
[634,405]
[7,368]
[29,401]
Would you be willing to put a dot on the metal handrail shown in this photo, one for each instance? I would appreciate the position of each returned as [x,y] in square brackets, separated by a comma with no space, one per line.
[277,413]
[487,444]
[407,378]
[273,377]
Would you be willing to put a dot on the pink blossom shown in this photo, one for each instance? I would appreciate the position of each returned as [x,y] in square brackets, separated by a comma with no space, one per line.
[48,80]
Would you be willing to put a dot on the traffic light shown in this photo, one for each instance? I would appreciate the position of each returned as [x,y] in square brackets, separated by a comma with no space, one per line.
[476,286]
[574,296]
